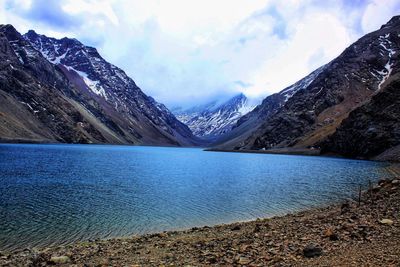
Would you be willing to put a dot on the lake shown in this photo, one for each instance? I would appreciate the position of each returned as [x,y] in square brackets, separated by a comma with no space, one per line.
[58,194]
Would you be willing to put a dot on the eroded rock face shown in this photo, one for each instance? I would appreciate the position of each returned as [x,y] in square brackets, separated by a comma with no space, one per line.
[31,106]
[65,91]
[313,113]
[370,129]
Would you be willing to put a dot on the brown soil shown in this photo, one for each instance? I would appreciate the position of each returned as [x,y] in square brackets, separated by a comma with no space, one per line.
[349,234]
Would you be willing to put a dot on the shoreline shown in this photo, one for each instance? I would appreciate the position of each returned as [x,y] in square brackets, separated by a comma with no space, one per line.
[343,234]
[298,152]
[279,151]
[14,142]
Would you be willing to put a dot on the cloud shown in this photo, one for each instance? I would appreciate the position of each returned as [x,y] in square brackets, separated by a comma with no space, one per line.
[188,52]
[243,84]
[100,8]
[378,12]
[315,39]
[44,12]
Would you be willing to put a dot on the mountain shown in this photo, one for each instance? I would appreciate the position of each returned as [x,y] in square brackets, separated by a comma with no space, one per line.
[214,119]
[372,130]
[269,106]
[63,91]
[339,100]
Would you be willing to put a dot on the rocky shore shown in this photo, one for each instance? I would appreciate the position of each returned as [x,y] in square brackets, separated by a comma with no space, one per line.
[363,232]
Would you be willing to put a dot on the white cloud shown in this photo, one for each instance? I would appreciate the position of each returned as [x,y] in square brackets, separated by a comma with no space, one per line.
[378,12]
[182,51]
[92,7]
[316,39]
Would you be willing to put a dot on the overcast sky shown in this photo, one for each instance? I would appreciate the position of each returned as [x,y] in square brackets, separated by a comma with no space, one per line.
[187,52]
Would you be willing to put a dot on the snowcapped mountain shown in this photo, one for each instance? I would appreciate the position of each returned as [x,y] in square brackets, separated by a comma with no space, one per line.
[99,76]
[348,107]
[214,118]
[274,102]
[71,94]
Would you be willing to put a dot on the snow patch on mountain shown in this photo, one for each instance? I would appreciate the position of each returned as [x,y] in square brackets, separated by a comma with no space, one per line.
[214,118]
[385,43]
[68,53]
[94,86]
[303,83]
[144,116]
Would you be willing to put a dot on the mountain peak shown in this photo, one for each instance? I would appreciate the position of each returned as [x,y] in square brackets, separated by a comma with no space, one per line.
[7,27]
[216,118]
[395,20]
[57,72]
[240,95]
[238,99]
[31,33]
[9,31]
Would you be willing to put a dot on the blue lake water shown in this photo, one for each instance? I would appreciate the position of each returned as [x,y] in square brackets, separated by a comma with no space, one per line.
[57,194]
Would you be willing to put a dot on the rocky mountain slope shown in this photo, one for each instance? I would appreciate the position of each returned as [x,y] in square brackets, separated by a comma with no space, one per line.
[214,119]
[372,130]
[314,113]
[63,91]
[269,106]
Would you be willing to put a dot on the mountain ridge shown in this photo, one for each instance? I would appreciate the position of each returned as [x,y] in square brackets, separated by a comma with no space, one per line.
[215,118]
[313,114]
[268,107]
[99,93]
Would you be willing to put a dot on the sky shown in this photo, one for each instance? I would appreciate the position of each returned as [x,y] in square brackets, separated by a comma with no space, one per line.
[186,52]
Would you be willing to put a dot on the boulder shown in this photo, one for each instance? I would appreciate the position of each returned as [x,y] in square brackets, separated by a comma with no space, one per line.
[311,251]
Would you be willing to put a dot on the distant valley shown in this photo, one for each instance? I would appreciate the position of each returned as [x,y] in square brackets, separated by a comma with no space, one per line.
[59,90]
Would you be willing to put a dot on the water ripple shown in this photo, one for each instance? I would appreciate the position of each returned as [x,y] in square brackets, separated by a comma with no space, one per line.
[58,194]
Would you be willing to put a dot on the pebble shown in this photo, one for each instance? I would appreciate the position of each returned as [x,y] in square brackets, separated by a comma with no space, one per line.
[243,260]
[59,259]
[386,221]
[235,228]
[162,235]
[331,234]
[345,207]
[311,251]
